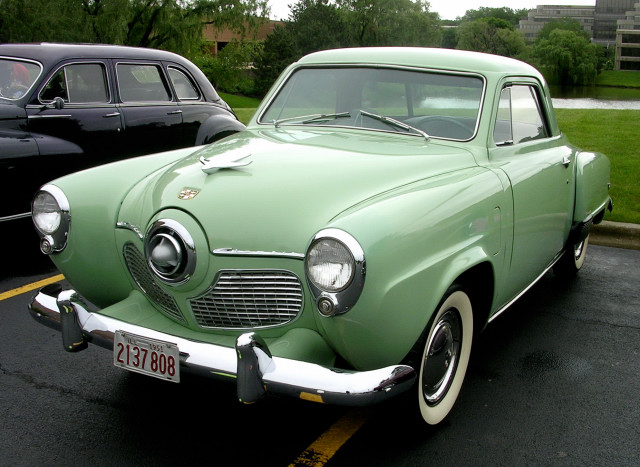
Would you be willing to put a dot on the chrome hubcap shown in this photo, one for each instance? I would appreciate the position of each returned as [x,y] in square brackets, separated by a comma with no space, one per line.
[577,250]
[441,358]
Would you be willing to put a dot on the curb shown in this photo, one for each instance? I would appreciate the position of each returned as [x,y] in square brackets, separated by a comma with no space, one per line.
[616,234]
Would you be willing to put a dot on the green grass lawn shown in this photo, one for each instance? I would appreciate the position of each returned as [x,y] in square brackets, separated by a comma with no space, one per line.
[244,107]
[614,133]
[629,79]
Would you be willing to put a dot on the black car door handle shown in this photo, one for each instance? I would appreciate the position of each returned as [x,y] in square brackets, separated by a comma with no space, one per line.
[114,114]
[174,112]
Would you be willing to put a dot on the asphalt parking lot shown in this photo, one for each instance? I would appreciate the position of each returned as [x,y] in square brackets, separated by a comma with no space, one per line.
[552,382]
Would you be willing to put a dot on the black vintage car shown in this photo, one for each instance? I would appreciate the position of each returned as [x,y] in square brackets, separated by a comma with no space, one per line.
[66,107]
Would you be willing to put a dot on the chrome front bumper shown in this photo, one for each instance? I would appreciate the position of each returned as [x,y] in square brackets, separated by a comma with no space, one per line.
[250,362]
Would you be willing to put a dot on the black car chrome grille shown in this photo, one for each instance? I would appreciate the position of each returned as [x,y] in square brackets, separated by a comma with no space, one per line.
[141,274]
[249,299]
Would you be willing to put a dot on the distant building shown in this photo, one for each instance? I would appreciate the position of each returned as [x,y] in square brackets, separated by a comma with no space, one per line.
[628,40]
[543,14]
[218,39]
[599,21]
[608,12]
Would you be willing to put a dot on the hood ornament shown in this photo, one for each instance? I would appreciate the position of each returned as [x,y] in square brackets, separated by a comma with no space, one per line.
[228,160]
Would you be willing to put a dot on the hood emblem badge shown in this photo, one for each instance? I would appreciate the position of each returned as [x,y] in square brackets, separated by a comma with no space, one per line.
[229,160]
[188,193]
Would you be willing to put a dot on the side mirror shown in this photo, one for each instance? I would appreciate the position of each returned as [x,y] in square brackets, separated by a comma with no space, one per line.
[57,103]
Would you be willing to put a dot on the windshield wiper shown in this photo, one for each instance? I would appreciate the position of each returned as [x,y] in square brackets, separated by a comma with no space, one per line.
[394,122]
[311,118]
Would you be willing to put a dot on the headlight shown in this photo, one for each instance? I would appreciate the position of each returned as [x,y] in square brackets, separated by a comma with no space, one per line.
[46,213]
[170,251]
[50,213]
[330,265]
[335,269]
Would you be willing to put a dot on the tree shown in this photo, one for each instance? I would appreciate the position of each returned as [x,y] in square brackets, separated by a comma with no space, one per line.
[491,35]
[566,24]
[391,22]
[511,16]
[174,25]
[313,25]
[567,58]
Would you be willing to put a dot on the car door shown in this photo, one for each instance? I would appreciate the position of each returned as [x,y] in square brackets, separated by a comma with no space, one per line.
[539,167]
[152,116]
[74,117]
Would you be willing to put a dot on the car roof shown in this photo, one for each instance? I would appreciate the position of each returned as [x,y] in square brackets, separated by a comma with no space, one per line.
[47,52]
[423,57]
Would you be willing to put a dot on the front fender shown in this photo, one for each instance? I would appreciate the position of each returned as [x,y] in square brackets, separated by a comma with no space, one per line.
[91,261]
[592,185]
[417,241]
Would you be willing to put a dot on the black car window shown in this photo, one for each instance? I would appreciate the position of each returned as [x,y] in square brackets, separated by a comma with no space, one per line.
[79,83]
[519,116]
[16,77]
[141,83]
[185,89]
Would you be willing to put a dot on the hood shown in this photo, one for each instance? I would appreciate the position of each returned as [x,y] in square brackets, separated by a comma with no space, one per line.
[278,187]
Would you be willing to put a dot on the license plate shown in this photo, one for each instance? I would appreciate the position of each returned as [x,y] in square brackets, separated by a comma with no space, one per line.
[148,356]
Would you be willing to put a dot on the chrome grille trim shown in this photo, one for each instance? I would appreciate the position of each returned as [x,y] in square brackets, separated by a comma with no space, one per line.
[142,276]
[249,299]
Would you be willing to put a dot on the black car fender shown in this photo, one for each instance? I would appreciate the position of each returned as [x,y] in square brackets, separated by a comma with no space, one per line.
[217,127]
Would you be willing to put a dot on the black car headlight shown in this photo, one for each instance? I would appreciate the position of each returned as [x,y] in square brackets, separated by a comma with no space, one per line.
[51,217]
[335,269]
[170,251]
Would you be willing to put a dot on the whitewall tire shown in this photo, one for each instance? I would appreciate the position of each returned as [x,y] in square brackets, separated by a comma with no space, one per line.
[445,356]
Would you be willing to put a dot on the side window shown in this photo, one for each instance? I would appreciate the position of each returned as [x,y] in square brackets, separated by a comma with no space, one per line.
[79,83]
[519,116]
[184,86]
[141,83]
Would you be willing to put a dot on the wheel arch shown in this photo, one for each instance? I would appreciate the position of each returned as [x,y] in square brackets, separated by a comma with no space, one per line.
[479,284]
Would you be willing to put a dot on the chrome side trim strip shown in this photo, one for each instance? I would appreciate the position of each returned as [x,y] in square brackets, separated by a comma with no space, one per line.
[15,217]
[129,226]
[272,254]
[38,117]
[513,300]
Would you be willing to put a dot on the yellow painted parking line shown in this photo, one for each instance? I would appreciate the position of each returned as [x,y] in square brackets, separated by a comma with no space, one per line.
[30,287]
[324,448]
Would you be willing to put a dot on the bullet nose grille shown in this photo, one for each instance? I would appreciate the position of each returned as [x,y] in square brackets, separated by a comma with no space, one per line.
[249,299]
[140,272]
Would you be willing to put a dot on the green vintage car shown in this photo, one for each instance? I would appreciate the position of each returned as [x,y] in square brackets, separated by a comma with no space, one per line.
[382,206]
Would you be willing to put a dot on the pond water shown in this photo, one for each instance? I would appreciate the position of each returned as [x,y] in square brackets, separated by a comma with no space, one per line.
[595,97]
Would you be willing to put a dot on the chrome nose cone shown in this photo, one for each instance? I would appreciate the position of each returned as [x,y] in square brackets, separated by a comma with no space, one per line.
[165,254]
[170,251]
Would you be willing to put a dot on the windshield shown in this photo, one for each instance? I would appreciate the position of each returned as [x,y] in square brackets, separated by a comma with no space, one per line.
[16,77]
[441,105]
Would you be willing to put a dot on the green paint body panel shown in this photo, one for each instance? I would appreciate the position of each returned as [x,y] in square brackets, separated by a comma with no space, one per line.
[424,212]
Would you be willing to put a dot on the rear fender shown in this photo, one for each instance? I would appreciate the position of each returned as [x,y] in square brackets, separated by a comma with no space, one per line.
[592,187]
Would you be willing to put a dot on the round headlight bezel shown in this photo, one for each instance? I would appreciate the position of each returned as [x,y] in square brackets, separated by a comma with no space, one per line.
[172,235]
[51,203]
[338,298]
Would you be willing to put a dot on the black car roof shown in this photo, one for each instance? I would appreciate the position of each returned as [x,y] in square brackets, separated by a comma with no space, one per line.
[47,52]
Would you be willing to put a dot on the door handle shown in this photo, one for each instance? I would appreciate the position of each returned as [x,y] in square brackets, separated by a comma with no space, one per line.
[174,112]
[114,114]
[566,161]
